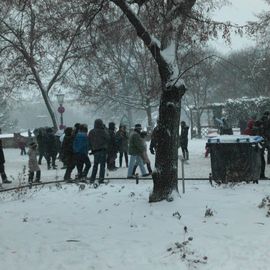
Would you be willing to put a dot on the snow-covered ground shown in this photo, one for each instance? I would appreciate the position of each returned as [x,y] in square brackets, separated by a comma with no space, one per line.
[114,227]
[16,165]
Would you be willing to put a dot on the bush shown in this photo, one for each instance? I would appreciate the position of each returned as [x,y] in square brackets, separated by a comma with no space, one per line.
[244,108]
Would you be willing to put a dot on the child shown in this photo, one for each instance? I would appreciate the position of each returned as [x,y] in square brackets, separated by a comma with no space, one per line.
[33,163]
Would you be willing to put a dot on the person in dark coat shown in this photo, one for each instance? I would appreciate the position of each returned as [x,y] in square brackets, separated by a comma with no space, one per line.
[224,126]
[184,140]
[112,148]
[2,166]
[122,143]
[67,152]
[136,150]
[153,142]
[266,126]
[98,140]
[40,134]
[50,147]
[258,129]
[80,149]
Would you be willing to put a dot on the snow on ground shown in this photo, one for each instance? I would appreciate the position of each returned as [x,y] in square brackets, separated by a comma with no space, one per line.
[114,226]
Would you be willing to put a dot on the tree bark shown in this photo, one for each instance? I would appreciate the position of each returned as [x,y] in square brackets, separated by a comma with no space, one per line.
[165,177]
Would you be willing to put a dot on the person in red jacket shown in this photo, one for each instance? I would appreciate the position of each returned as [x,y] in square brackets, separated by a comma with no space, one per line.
[249,130]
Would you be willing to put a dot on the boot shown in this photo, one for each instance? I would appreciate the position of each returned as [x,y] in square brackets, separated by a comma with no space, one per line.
[30,177]
[38,174]
[7,181]
[4,178]
[120,162]
[184,154]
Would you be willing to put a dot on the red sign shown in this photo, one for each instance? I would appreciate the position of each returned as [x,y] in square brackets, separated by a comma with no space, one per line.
[61,109]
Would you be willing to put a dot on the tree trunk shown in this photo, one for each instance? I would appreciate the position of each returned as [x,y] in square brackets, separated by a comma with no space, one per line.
[149,117]
[130,117]
[50,110]
[198,119]
[166,175]
[45,96]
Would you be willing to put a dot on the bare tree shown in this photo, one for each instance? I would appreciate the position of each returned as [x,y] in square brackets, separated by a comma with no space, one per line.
[171,23]
[42,39]
[164,52]
[121,75]
[200,83]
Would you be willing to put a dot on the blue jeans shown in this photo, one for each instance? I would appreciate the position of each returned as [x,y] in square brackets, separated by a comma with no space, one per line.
[135,160]
[99,158]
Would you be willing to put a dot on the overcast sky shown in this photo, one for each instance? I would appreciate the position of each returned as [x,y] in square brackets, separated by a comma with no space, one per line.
[240,11]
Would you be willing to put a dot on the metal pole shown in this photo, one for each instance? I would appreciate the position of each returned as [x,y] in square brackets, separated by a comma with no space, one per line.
[183,174]
[61,119]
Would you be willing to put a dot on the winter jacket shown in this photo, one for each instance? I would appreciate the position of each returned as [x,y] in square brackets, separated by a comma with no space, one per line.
[2,157]
[112,146]
[136,146]
[50,143]
[81,144]
[21,142]
[32,163]
[184,136]
[121,138]
[98,137]
[249,130]
[40,139]
[67,147]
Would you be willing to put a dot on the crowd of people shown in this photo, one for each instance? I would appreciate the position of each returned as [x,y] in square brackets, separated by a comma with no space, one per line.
[76,145]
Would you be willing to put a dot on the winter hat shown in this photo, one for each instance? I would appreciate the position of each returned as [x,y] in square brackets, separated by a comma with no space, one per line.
[98,123]
[68,131]
[138,126]
[112,125]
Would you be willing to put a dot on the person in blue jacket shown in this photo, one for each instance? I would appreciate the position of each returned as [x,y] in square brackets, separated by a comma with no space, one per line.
[80,149]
